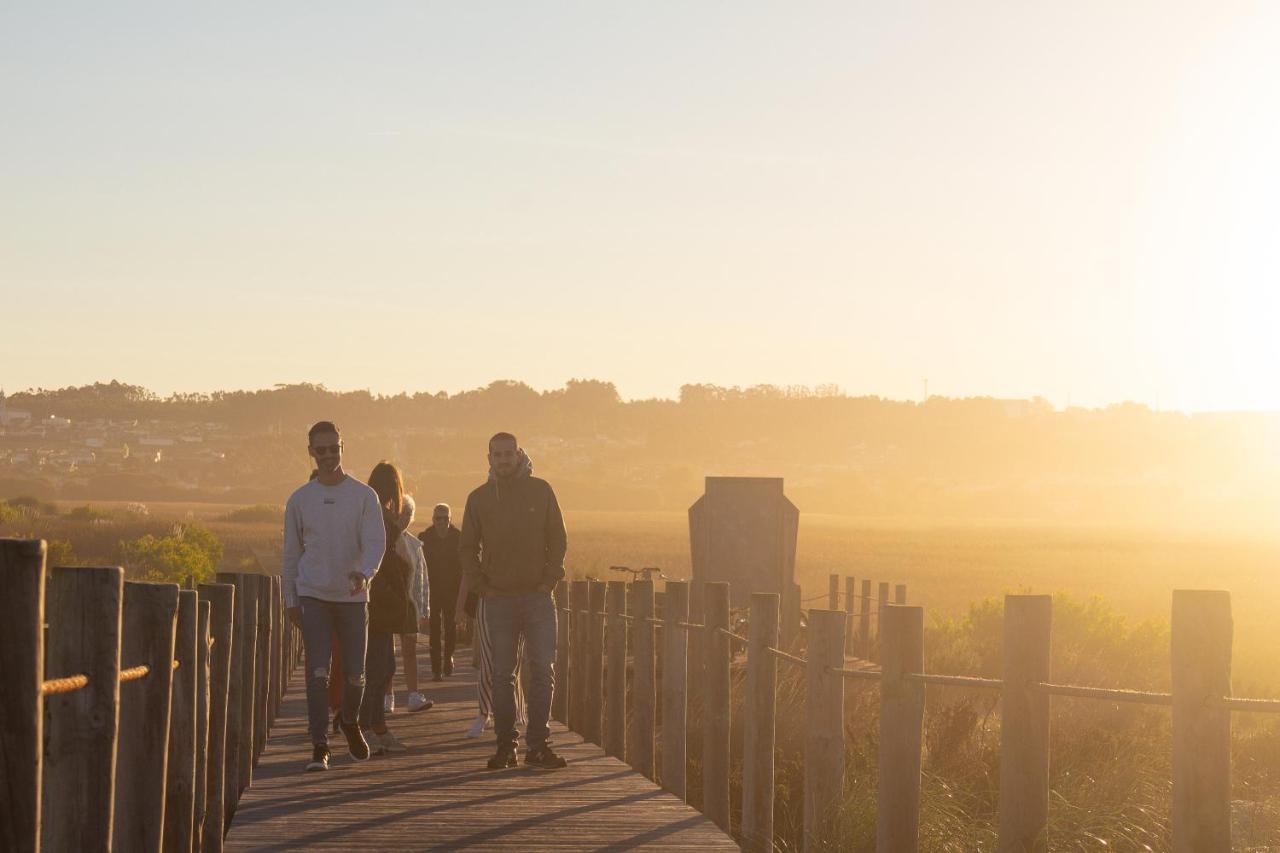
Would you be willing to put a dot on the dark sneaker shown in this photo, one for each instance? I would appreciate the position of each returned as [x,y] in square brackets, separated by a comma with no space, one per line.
[504,757]
[543,757]
[356,743]
[319,758]
[448,667]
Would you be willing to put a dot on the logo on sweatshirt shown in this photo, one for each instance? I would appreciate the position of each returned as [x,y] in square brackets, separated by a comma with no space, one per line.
[330,501]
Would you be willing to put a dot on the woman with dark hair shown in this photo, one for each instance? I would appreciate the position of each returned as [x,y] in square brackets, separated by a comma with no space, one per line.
[391,612]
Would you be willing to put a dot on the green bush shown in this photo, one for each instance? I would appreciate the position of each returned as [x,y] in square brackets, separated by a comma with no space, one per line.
[88,513]
[191,550]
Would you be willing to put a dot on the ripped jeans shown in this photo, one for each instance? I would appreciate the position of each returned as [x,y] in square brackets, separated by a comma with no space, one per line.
[322,620]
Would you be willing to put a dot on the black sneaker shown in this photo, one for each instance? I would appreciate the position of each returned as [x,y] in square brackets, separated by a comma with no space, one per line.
[542,756]
[504,757]
[319,758]
[356,743]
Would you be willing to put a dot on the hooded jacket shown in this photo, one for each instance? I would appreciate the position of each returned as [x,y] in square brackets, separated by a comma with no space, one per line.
[513,537]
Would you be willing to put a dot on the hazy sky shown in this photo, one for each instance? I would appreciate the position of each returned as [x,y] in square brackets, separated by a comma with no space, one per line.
[1078,200]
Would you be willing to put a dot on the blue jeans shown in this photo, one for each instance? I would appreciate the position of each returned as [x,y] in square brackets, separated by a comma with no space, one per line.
[507,618]
[380,668]
[321,620]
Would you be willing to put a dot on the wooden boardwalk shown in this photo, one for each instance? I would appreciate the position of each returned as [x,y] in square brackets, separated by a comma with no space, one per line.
[439,796]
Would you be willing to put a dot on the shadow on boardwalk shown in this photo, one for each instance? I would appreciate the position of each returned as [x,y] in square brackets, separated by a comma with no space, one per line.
[438,794]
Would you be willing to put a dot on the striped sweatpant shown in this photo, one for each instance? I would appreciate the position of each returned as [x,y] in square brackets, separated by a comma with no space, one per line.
[483,649]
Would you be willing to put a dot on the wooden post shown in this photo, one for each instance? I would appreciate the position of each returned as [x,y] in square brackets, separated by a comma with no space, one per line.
[180,788]
[262,672]
[274,687]
[221,598]
[901,728]
[247,588]
[84,608]
[595,664]
[22,674]
[715,713]
[1201,650]
[1024,724]
[696,681]
[579,600]
[900,594]
[824,723]
[864,621]
[644,685]
[850,596]
[202,727]
[560,696]
[615,706]
[235,696]
[882,601]
[675,644]
[150,617]
[757,752]
[833,592]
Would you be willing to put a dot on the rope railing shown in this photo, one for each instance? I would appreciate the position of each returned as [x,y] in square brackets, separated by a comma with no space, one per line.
[1265,706]
[847,672]
[787,656]
[70,684]
[1141,697]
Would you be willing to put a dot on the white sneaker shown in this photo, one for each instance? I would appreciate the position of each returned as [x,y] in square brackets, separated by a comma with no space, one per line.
[389,703]
[389,742]
[418,702]
[477,728]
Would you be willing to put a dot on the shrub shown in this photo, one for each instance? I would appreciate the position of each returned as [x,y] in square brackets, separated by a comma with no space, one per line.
[257,513]
[87,513]
[191,550]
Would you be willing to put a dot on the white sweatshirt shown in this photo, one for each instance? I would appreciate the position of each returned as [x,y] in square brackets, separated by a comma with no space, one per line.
[330,532]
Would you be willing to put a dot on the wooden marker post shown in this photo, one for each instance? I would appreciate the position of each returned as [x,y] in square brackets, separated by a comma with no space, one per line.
[715,712]
[824,723]
[84,608]
[760,709]
[1201,646]
[1024,724]
[675,644]
[615,692]
[901,728]
[21,706]
[149,622]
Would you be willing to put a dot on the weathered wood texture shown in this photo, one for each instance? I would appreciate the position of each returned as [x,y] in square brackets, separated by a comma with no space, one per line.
[21,673]
[148,626]
[1201,647]
[560,698]
[675,644]
[180,792]
[439,795]
[901,728]
[615,691]
[758,736]
[579,598]
[84,610]
[833,592]
[644,685]
[235,697]
[824,724]
[716,703]
[221,598]
[262,672]
[864,621]
[202,727]
[593,729]
[850,600]
[248,587]
[1024,724]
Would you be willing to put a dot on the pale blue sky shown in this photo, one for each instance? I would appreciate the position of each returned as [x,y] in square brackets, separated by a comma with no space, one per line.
[1075,200]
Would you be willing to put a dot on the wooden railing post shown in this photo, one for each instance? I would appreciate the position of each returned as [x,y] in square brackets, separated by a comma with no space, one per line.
[675,644]
[864,621]
[757,752]
[882,601]
[236,684]
[595,664]
[1024,724]
[560,696]
[901,728]
[1201,652]
[833,592]
[247,588]
[615,706]
[644,687]
[22,674]
[262,667]
[221,598]
[715,712]
[824,724]
[202,727]
[180,786]
[276,687]
[84,608]
[900,594]
[696,683]
[149,622]
[579,600]
[850,596]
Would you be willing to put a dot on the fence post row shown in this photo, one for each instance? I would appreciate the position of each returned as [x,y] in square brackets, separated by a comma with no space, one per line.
[615,710]
[824,721]
[901,727]
[1024,724]
[758,745]
[675,643]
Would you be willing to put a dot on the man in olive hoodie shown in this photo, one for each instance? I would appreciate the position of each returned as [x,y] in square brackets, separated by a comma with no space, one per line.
[512,549]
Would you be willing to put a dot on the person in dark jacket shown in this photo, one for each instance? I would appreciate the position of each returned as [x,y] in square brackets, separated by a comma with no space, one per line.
[512,548]
[444,576]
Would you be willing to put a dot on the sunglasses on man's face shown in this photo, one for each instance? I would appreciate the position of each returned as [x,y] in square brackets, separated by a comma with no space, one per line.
[440,518]
[326,449]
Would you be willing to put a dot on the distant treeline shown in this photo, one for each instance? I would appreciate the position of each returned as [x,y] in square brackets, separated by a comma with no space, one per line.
[944,458]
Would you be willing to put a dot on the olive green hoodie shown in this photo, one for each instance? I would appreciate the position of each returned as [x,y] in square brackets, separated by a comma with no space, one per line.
[513,537]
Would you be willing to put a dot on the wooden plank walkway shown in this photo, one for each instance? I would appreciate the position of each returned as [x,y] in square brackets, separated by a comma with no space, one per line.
[439,796]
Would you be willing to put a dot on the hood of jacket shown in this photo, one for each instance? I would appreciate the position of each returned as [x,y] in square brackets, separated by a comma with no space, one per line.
[524,467]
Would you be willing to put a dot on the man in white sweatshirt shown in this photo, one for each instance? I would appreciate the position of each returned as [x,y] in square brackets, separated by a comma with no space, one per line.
[334,539]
